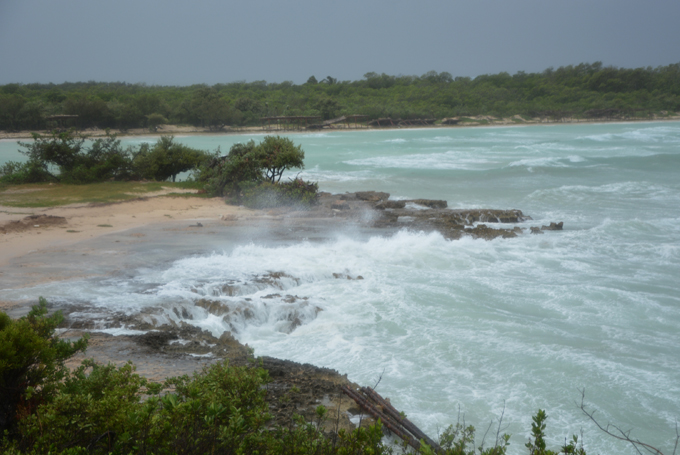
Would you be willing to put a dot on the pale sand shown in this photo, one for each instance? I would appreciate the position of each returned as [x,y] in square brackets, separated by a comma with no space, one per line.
[183,130]
[91,220]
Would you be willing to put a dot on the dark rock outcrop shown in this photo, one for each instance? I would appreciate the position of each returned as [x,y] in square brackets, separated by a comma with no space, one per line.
[382,205]
[377,210]
[553,227]
[367,196]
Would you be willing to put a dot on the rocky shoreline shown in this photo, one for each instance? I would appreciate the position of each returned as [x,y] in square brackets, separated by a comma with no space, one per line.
[170,350]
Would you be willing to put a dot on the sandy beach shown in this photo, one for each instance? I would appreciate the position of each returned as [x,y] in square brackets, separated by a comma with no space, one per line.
[87,221]
[479,121]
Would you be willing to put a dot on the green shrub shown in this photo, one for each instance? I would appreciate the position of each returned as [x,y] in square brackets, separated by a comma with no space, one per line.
[219,410]
[224,175]
[105,159]
[31,362]
[269,195]
[31,171]
[166,159]
[251,173]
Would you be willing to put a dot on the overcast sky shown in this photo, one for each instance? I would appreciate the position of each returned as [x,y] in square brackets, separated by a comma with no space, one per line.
[173,42]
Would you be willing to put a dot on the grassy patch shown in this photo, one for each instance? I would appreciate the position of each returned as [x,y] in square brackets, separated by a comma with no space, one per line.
[104,225]
[51,195]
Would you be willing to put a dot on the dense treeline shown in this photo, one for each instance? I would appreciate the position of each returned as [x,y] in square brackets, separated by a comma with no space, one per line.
[585,90]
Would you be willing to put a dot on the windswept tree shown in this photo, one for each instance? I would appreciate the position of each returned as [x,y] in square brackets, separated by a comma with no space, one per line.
[166,159]
[249,165]
[277,154]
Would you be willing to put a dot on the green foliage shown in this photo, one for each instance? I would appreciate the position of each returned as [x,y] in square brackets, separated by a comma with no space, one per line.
[252,173]
[166,159]
[114,410]
[269,195]
[460,440]
[100,160]
[104,159]
[31,362]
[225,175]
[538,446]
[276,154]
[207,107]
[105,409]
[155,120]
[16,173]
[584,90]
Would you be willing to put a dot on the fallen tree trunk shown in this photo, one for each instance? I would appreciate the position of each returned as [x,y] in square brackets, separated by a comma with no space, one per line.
[379,408]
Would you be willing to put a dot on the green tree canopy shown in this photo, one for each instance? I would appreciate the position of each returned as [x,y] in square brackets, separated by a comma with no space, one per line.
[166,159]
[276,154]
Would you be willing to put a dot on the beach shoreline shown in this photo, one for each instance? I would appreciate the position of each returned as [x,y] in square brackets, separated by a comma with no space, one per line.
[88,221]
[183,130]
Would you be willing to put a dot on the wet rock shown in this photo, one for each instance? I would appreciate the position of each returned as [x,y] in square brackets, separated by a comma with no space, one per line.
[213,306]
[372,196]
[340,205]
[156,340]
[274,279]
[382,205]
[482,231]
[366,196]
[431,203]
[536,230]
[346,276]
[553,227]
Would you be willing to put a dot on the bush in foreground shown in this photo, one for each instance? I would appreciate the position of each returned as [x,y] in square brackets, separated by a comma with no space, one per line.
[31,363]
[104,409]
[108,409]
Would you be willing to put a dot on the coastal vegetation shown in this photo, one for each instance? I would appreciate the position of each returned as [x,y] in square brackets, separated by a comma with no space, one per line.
[94,408]
[65,157]
[249,174]
[45,408]
[587,90]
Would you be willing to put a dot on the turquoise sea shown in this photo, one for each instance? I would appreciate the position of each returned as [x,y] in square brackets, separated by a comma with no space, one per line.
[469,326]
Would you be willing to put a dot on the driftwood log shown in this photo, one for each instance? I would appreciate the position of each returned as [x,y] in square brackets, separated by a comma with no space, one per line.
[379,408]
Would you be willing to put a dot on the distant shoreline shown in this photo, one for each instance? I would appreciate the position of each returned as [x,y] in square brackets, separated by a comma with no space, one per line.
[183,130]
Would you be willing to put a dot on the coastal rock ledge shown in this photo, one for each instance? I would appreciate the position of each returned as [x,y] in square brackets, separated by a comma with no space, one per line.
[377,210]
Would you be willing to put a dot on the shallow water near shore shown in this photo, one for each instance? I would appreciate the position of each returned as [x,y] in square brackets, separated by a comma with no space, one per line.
[524,322]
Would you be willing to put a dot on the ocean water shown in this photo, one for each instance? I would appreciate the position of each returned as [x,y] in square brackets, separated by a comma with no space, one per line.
[467,327]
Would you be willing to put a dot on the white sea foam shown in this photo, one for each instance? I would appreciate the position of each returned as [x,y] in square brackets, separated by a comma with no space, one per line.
[548,161]
[315,174]
[645,135]
[447,160]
